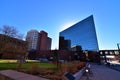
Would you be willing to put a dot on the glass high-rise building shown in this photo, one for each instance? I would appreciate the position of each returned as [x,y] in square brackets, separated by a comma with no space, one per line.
[82,33]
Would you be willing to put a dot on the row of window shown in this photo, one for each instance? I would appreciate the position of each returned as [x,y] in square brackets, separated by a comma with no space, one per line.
[109,52]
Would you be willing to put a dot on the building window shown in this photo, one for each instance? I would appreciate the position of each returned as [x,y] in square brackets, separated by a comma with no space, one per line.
[116,53]
[106,52]
[101,52]
[111,52]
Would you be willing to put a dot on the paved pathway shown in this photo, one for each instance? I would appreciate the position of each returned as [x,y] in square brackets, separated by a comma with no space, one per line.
[14,75]
[100,72]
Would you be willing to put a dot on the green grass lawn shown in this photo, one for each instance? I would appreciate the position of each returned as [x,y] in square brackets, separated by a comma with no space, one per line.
[14,61]
[12,64]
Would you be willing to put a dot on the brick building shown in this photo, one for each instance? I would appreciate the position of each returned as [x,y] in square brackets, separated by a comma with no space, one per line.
[12,48]
[44,42]
[38,40]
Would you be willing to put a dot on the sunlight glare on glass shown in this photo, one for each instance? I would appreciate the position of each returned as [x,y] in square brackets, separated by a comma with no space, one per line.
[67,25]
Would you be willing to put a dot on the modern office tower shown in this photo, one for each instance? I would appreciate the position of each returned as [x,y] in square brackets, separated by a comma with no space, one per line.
[44,42]
[32,39]
[82,33]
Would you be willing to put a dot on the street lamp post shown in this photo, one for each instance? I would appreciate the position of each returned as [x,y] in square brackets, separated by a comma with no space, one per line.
[87,74]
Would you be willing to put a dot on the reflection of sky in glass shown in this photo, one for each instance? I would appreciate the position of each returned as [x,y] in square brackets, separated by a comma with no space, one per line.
[82,33]
[51,15]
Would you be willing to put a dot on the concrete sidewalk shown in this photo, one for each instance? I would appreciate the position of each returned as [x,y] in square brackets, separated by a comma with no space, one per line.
[100,72]
[14,75]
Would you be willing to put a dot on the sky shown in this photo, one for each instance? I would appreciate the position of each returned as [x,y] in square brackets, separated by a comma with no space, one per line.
[54,16]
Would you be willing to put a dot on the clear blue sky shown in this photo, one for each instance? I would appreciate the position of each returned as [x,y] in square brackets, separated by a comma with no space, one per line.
[55,15]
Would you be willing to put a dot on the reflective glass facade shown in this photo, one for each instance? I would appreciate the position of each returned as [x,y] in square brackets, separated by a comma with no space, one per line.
[82,33]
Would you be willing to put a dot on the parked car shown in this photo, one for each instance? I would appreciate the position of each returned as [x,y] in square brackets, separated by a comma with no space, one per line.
[43,60]
[62,61]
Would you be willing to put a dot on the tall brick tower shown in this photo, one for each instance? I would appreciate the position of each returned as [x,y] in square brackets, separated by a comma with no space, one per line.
[44,42]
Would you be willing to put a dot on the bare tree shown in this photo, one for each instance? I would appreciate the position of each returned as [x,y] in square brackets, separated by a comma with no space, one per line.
[11,31]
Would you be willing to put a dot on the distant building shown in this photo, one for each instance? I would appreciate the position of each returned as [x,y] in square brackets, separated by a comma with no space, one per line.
[109,56]
[64,44]
[82,33]
[38,40]
[44,42]
[32,39]
[49,43]
[76,48]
